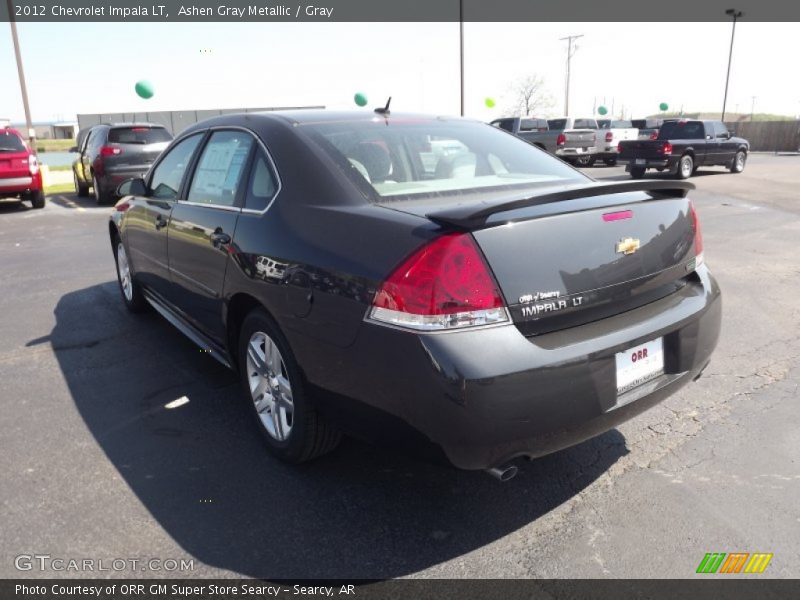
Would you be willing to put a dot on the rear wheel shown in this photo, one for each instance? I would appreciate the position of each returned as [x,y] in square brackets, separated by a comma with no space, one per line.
[685,167]
[291,427]
[737,166]
[81,189]
[99,195]
[590,162]
[131,291]
[637,172]
[37,199]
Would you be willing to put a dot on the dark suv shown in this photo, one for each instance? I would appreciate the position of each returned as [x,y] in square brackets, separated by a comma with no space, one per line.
[112,153]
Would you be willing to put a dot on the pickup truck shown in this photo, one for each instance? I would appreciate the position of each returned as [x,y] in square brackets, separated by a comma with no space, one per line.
[684,145]
[610,133]
[572,140]
[648,128]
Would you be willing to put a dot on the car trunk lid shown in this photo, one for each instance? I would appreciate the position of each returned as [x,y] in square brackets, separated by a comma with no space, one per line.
[597,251]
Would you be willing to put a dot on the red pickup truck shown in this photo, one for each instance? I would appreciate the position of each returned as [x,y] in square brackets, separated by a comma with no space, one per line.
[20,176]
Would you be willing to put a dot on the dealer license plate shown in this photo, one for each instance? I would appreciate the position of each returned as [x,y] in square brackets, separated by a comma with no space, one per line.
[639,365]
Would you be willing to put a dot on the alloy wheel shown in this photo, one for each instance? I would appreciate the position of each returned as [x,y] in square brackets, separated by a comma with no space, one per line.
[270,388]
[124,272]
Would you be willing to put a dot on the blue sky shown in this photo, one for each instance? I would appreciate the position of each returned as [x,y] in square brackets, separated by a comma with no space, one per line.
[86,68]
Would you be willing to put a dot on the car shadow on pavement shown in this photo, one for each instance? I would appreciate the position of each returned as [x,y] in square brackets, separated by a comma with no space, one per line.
[8,206]
[72,200]
[202,471]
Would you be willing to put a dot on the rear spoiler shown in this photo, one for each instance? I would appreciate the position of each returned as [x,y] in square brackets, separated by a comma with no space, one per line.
[470,216]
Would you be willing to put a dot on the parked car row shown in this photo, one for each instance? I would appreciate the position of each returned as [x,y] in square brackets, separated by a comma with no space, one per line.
[108,154]
[678,146]
[20,175]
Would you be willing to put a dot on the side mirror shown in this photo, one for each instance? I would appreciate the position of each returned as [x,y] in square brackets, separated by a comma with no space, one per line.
[73,149]
[728,135]
[132,187]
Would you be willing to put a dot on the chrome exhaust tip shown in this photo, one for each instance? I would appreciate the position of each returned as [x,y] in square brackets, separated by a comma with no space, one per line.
[503,473]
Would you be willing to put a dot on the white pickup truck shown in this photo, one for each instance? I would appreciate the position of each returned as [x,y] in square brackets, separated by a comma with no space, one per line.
[611,132]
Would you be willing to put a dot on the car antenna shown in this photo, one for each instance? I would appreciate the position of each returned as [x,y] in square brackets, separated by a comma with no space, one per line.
[385,109]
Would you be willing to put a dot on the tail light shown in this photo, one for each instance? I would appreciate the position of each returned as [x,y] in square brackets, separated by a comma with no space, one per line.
[698,235]
[122,206]
[654,135]
[666,148]
[561,139]
[609,136]
[444,285]
[619,148]
[110,151]
[33,164]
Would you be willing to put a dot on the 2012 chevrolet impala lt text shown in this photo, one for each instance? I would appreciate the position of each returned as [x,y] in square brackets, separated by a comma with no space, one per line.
[433,282]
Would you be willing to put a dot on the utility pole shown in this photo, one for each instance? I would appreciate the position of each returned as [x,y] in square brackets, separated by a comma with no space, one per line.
[736,14]
[461,49]
[23,88]
[752,108]
[570,52]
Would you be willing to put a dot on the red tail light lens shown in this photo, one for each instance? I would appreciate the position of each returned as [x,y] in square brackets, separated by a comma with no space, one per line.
[619,148]
[609,136]
[666,148]
[561,139]
[698,235]
[443,285]
[110,151]
[654,135]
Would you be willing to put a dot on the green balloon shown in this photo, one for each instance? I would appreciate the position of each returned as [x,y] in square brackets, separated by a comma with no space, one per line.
[144,89]
[663,106]
[360,99]
[602,110]
[489,102]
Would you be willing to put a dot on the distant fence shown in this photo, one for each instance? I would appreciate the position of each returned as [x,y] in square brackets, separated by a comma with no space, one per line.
[174,120]
[769,136]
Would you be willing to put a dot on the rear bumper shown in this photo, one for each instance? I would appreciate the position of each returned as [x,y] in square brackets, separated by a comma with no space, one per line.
[13,186]
[487,396]
[111,178]
[651,163]
[577,152]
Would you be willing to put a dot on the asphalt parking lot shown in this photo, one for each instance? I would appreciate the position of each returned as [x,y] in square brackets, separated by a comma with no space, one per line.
[95,466]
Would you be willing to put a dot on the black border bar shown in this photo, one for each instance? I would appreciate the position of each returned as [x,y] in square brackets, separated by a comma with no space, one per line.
[397,10]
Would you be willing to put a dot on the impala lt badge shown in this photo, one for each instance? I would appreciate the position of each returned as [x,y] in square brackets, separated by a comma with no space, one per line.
[628,246]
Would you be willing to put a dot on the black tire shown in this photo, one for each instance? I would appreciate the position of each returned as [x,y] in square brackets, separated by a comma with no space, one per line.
[100,196]
[738,162]
[37,199]
[610,162]
[637,172]
[81,189]
[134,299]
[685,167]
[583,161]
[590,162]
[310,435]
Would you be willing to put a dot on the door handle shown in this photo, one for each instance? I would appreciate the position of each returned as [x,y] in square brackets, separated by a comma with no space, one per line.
[160,222]
[220,238]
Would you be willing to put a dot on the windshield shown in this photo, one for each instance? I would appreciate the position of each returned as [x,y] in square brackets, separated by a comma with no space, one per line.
[10,142]
[138,135]
[415,158]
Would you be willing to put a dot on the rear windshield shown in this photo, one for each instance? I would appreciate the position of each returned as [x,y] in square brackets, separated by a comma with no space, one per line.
[10,142]
[556,123]
[585,124]
[138,135]
[417,158]
[681,130]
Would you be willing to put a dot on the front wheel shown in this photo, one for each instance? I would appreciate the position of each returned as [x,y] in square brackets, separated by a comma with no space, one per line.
[637,172]
[737,166]
[131,292]
[685,167]
[291,427]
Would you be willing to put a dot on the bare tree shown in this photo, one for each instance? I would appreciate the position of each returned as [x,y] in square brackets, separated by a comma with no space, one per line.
[529,95]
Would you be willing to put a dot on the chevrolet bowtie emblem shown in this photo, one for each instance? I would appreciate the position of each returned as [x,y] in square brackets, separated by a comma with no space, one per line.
[628,246]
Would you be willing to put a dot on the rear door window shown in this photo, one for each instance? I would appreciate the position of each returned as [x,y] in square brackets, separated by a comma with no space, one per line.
[220,167]
[138,135]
